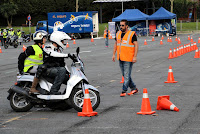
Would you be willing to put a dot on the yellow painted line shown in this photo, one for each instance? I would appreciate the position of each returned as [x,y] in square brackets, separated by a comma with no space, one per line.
[33,119]
[15,118]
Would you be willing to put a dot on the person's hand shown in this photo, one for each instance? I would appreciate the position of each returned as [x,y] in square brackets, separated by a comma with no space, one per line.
[113,58]
[21,72]
[69,55]
[134,59]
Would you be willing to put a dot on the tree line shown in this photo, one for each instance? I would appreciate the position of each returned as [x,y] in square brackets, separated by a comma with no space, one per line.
[15,12]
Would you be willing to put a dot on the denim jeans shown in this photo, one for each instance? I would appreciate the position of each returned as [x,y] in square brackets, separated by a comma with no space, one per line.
[126,68]
[106,41]
[59,73]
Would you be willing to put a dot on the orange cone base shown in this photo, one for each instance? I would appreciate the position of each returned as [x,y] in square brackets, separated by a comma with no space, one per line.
[143,113]
[88,114]
[171,81]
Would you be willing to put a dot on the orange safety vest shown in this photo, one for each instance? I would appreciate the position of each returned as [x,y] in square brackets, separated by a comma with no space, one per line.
[125,47]
[105,33]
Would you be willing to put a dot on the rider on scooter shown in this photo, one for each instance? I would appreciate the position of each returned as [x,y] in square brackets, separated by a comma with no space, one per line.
[54,64]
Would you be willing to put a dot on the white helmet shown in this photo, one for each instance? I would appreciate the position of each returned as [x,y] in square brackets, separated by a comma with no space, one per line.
[58,37]
[39,35]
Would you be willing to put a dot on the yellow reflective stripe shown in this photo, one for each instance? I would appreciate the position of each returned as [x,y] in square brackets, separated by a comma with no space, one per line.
[31,65]
[33,60]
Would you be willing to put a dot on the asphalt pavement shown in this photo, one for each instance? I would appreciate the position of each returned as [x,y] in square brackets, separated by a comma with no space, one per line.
[115,114]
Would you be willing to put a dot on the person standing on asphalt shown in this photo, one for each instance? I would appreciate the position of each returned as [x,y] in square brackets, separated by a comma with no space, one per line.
[5,33]
[106,36]
[126,46]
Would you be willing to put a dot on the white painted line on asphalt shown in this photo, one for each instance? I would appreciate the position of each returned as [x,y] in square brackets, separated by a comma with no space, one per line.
[138,70]
[148,66]
[112,80]
[10,71]
[97,86]
[85,52]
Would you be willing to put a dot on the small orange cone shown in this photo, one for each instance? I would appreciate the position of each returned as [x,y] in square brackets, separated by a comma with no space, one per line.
[162,37]
[74,42]
[0,50]
[191,40]
[92,40]
[195,46]
[199,40]
[153,38]
[170,39]
[145,42]
[146,106]
[164,103]
[188,37]
[196,54]
[24,47]
[189,48]
[176,39]
[179,41]
[67,45]
[87,106]
[43,46]
[170,78]
[170,54]
[122,81]
[192,47]
[174,54]
[161,43]
[177,52]
[184,49]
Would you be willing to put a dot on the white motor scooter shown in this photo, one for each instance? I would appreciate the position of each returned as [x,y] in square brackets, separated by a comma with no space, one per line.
[72,96]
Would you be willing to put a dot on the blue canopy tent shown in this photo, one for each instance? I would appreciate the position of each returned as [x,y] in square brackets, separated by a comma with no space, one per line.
[133,15]
[162,14]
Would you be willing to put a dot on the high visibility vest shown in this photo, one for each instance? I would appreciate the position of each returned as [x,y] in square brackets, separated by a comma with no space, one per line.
[11,33]
[105,33]
[34,60]
[125,47]
[4,34]
[19,34]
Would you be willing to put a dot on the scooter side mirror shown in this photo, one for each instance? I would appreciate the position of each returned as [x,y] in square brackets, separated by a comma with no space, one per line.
[77,50]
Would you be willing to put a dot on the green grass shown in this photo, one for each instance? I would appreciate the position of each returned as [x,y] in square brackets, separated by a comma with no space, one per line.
[25,29]
[188,26]
[102,28]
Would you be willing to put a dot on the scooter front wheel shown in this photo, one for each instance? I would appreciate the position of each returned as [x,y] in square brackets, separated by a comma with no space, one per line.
[77,98]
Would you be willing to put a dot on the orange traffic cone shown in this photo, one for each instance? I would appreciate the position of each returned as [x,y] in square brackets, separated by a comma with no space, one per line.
[174,54]
[161,43]
[199,40]
[189,48]
[191,40]
[192,47]
[74,42]
[92,40]
[182,52]
[146,106]
[196,54]
[87,106]
[145,42]
[170,54]
[164,103]
[24,47]
[43,46]
[170,39]
[179,41]
[122,81]
[170,78]
[177,52]
[67,45]
[176,39]
[195,46]
[184,49]
[0,50]
[153,38]
[162,37]
[188,37]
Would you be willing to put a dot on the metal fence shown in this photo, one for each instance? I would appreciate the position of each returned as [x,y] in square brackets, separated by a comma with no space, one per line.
[187,25]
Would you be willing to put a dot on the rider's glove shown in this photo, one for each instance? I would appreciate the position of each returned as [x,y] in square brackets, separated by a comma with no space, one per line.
[21,72]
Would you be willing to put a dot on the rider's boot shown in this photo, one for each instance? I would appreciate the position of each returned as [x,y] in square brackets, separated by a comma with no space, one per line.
[33,87]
